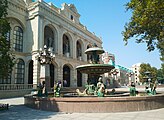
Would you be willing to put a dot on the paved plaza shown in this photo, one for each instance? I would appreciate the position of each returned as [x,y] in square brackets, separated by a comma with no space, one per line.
[17,111]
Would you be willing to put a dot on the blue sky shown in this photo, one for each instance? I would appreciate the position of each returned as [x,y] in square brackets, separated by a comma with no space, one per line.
[106,18]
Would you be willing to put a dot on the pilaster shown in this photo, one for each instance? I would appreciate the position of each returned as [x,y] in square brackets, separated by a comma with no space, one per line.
[60,74]
[60,41]
[74,80]
[40,32]
[74,47]
[36,69]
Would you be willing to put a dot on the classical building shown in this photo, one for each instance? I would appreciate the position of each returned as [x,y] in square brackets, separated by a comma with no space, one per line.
[35,23]
[136,68]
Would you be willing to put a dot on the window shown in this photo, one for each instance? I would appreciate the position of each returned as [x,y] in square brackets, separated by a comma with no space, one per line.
[71,17]
[48,37]
[6,80]
[78,49]
[19,71]
[8,38]
[66,44]
[18,39]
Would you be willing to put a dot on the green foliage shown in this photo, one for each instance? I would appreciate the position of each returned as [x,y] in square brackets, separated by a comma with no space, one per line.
[147,67]
[146,24]
[3,7]
[160,73]
[6,58]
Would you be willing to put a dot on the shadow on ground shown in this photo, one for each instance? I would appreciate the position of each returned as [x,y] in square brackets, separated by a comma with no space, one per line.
[21,112]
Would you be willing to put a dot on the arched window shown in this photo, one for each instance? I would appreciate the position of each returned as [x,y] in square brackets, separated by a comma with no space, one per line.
[72,17]
[66,45]
[30,72]
[66,76]
[48,37]
[18,39]
[78,50]
[19,71]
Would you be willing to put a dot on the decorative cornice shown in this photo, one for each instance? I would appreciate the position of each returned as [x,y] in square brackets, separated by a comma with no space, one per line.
[17,5]
[45,10]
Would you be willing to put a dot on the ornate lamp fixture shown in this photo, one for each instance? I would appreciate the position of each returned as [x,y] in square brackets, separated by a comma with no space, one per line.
[130,74]
[45,57]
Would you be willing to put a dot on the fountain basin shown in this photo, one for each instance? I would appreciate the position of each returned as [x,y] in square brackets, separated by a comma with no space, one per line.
[95,104]
[95,68]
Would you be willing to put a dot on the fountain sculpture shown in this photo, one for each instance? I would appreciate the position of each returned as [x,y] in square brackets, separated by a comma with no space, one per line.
[94,70]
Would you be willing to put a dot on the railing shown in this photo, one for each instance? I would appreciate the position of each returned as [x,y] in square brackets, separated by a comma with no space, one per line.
[17,86]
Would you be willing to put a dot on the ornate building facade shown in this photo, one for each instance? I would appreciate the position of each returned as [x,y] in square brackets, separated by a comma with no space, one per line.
[35,23]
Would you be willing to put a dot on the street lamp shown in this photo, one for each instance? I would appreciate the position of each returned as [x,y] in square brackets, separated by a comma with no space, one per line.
[130,74]
[45,57]
[114,72]
[147,73]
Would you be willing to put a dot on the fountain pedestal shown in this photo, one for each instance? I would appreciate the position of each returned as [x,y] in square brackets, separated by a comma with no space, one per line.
[95,69]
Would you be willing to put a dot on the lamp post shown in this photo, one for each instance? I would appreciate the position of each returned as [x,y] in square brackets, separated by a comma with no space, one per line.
[114,72]
[147,73]
[130,74]
[45,57]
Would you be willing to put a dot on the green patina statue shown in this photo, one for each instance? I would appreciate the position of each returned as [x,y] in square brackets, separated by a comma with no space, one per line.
[57,88]
[42,90]
[39,89]
[100,88]
[152,89]
[90,89]
[148,91]
[132,89]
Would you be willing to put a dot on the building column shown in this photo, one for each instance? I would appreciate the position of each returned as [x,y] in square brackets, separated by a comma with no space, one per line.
[60,74]
[60,42]
[36,74]
[85,55]
[74,47]
[74,80]
[45,76]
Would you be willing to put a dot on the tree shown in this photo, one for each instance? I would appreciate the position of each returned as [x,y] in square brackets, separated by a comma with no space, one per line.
[146,24]
[147,67]
[160,73]
[6,57]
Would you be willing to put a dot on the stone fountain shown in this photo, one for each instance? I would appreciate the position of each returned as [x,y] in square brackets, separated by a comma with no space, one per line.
[90,103]
[94,70]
